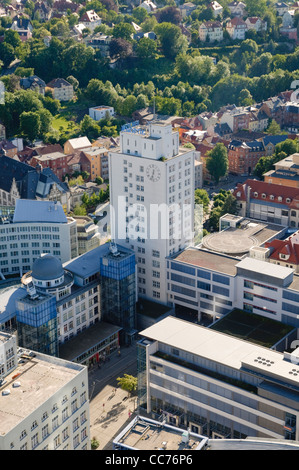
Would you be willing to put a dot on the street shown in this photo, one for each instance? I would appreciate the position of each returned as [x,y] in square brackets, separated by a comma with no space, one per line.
[110,407]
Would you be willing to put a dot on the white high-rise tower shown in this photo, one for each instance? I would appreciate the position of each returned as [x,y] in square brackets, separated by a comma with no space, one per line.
[152,200]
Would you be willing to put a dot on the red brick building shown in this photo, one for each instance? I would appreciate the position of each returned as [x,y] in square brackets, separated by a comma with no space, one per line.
[243,156]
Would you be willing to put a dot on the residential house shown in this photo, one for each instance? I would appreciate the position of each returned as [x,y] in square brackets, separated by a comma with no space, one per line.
[285,172]
[237,118]
[270,141]
[281,8]
[236,28]
[187,8]
[289,32]
[211,31]
[61,89]
[207,119]
[258,120]
[99,42]
[268,202]
[9,149]
[26,154]
[78,143]
[150,6]
[60,8]
[287,115]
[23,27]
[288,19]
[237,9]
[90,19]
[33,83]
[243,156]
[223,130]
[256,23]
[216,8]
[99,112]
[42,11]
[150,35]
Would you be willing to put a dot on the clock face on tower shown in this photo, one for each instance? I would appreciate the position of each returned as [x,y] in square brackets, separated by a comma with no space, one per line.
[153,173]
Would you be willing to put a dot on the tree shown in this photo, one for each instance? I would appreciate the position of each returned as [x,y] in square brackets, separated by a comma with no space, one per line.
[146,48]
[140,14]
[171,39]
[273,128]
[89,127]
[123,31]
[120,48]
[73,81]
[169,14]
[7,53]
[94,443]
[201,196]
[30,125]
[217,162]
[127,383]
[129,105]
[245,98]
[79,210]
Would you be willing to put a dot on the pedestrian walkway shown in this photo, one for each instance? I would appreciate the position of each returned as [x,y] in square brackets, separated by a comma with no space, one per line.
[111,409]
[109,413]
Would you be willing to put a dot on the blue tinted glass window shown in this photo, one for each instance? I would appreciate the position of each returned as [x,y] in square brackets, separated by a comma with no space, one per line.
[203,274]
[221,279]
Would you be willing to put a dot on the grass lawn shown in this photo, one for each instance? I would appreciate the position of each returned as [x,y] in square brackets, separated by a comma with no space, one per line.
[60,121]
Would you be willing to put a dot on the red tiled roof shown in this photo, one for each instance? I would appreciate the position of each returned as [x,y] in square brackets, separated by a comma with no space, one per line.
[269,189]
[288,247]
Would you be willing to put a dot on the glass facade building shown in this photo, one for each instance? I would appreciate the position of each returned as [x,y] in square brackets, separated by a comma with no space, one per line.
[118,292]
[37,324]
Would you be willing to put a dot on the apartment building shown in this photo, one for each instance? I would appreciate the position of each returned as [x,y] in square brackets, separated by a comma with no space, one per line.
[211,31]
[236,28]
[61,89]
[36,227]
[151,200]
[217,384]
[51,399]
[244,156]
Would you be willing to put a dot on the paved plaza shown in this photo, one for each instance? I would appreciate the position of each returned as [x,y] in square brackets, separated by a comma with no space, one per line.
[110,407]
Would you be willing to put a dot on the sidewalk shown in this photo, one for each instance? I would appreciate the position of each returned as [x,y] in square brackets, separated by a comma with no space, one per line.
[110,407]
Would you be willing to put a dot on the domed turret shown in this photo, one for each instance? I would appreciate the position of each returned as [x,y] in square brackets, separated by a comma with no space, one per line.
[47,268]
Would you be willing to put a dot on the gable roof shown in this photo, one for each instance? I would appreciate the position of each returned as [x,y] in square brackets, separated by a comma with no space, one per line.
[288,247]
[58,83]
[30,182]
[274,193]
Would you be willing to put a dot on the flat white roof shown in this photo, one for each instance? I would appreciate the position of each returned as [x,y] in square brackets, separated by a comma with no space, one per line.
[40,378]
[221,348]
[264,267]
